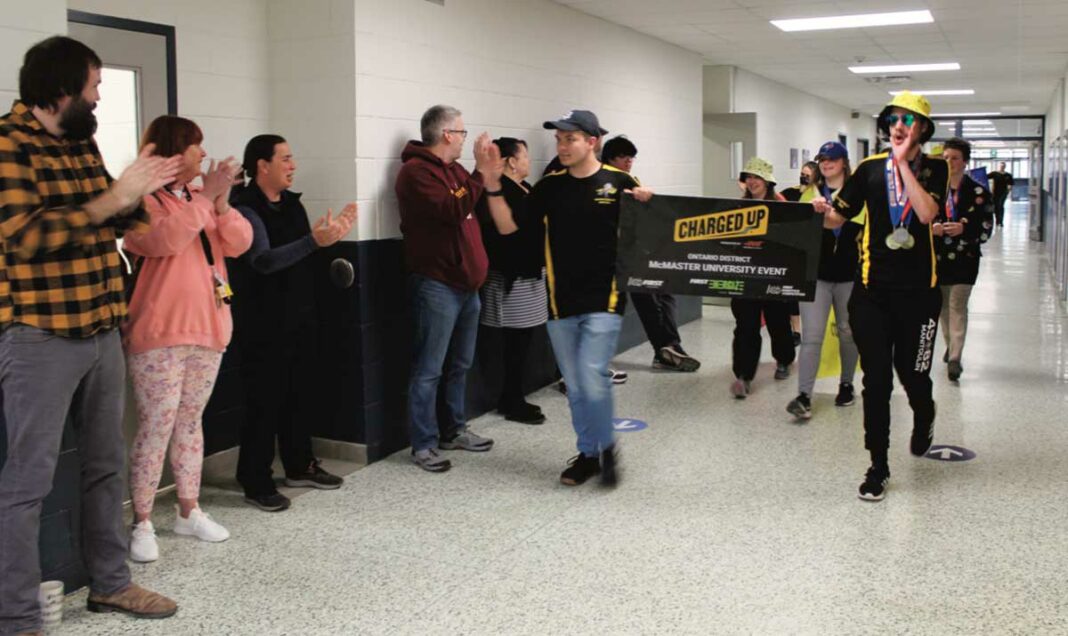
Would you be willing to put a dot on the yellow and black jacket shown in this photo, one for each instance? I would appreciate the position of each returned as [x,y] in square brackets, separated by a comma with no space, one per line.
[880,266]
[581,218]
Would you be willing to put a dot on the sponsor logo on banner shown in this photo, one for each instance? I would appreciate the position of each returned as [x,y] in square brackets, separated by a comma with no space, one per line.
[737,286]
[784,290]
[642,282]
[926,348]
[743,222]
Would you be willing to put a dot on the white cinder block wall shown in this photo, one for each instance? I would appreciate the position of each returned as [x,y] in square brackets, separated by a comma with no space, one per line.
[509,65]
[224,69]
[21,25]
[789,118]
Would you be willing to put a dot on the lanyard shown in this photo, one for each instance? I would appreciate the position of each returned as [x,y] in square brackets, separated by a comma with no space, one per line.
[900,206]
[951,204]
[829,196]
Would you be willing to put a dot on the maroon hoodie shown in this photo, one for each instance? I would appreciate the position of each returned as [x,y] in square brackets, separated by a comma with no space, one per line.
[442,239]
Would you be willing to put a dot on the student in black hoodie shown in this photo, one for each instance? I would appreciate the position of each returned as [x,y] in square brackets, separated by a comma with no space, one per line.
[275,324]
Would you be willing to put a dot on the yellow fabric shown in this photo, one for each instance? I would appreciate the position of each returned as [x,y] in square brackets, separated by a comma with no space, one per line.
[911,101]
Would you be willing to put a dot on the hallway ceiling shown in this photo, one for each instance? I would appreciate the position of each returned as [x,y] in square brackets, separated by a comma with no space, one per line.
[1011,52]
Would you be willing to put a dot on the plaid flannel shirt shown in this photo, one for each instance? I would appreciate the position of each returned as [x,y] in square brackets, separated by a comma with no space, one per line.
[58,271]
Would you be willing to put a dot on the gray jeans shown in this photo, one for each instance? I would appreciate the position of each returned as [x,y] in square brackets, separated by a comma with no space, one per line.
[43,376]
[955,318]
[814,317]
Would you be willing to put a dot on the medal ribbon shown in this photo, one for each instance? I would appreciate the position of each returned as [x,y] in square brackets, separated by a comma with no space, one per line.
[951,205]
[900,207]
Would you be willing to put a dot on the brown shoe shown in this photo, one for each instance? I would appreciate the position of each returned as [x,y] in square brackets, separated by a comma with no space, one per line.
[135,601]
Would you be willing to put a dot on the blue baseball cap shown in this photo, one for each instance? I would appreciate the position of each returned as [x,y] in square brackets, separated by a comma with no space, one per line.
[832,150]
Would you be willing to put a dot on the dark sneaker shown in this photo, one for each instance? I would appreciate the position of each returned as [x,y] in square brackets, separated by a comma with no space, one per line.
[579,469]
[800,407]
[797,339]
[922,436]
[431,460]
[675,359]
[619,377]
[561,386]
[524,413]
[955,369]
[874,486]
[782,371]
[610,466]
[740,388]
[271,502]
[845,396]
[315,477]
[468,441]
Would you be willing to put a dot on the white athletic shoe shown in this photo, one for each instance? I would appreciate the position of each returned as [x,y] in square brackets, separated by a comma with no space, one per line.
[200,525]
[143,547]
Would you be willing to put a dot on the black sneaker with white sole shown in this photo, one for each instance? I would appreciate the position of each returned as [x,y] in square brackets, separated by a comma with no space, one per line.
[675,359]
[846,395]
[800,407]
[579,470]
[619,377]
[922,434]
[314,477]
[874,486]
[269,502]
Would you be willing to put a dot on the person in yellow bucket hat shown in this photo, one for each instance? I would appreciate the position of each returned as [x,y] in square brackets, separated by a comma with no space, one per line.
[759,181]
[896,302]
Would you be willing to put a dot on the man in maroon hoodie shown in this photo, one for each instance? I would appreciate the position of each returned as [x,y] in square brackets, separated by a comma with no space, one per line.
[447,264]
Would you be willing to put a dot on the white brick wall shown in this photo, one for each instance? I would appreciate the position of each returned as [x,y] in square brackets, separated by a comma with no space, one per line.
[222,60]
[22,24]
[509,65]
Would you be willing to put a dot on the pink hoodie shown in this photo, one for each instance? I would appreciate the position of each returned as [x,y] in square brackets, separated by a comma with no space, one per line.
[174,300]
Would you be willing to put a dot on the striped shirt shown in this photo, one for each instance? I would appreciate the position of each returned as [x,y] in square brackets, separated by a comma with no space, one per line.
[58,271]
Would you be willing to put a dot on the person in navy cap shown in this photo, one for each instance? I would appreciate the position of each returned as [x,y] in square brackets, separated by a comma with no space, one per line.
[834,285]
[579,208]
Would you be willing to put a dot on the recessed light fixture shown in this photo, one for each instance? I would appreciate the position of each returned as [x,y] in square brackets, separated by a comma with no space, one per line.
[854,21]
[906,68]
[990,114]
[954,91]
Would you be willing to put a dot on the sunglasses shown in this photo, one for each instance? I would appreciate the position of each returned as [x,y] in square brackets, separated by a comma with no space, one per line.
[907,118]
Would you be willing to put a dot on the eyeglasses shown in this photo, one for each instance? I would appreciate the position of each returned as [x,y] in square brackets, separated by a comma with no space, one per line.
[907,118]
[462,133]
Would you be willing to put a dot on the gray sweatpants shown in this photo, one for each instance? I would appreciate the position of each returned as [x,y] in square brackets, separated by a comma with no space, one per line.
[43,376]
[814,317]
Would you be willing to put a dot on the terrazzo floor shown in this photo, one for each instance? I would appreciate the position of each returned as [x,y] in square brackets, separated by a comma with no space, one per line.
[730,519]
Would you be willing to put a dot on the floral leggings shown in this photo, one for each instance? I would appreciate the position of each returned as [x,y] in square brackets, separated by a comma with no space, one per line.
[171,386]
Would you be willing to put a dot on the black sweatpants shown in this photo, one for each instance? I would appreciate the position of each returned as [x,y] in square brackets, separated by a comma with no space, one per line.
[999,207]
[894,330]
[279,379]
[657,313]
[515,348]
[747,341]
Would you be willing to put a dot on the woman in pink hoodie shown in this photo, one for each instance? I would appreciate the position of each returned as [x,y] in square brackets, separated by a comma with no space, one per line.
[179,325]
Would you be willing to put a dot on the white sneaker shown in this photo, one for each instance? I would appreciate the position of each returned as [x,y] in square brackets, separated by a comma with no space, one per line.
[200,525]
[143,547]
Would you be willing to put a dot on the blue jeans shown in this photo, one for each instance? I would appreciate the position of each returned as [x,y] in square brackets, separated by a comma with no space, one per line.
[584,345]
[446,329]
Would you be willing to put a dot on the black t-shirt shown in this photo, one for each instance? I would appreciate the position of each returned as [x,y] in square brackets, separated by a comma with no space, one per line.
[793,193]
[517,255]
[581,217]
[1000,182]
[880,266]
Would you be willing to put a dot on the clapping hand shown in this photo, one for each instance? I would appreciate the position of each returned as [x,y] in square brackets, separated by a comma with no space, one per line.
[217,182]
[488,160]
[329,229]
[144,176]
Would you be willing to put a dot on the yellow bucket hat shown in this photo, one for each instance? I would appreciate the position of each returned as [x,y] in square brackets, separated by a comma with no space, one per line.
[914,103]
[758,168]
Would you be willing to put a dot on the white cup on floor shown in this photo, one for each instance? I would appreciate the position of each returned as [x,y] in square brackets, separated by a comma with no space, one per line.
[51,598]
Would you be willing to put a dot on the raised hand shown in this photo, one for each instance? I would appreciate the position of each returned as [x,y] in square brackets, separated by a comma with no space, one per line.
[144,176]
[488,159]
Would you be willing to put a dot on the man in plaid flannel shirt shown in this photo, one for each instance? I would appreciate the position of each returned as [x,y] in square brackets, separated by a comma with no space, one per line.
[61,302]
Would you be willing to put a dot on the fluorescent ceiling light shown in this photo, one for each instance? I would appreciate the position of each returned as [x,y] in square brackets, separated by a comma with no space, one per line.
[955,91]
[991,114]
[977,122]
[855,21]
[906,68]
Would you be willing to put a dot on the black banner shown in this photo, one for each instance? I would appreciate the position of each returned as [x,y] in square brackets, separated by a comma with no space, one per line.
[719,247]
